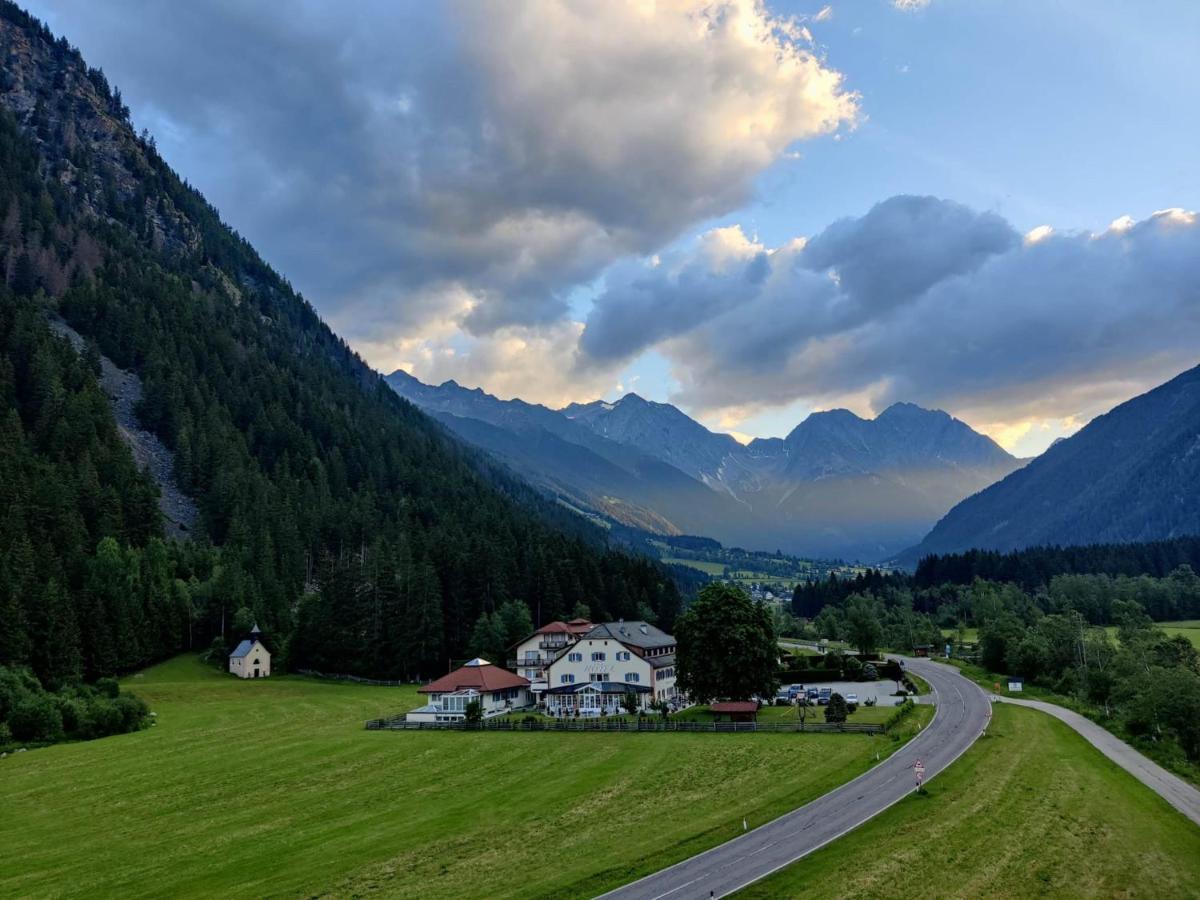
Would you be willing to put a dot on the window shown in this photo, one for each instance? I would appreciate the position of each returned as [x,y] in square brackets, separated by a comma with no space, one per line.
[575,657]
[598,656]
[632,677]
[597,677]
[566,679]
[623,656]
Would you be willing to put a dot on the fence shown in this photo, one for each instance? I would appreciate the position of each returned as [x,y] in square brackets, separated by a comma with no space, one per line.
[398,723]
[330,677]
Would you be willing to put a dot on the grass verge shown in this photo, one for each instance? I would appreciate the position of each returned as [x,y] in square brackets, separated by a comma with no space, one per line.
[1167,758]
[1032,810]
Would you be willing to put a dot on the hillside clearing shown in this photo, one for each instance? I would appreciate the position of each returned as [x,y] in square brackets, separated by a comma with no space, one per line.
[1031,810]
[273,788]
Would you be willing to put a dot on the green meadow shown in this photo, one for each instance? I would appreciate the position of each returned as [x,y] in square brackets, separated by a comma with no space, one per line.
[274,788]
[1032,810]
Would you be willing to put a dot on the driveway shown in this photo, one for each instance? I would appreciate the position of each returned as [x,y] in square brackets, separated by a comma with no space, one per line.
[962,714]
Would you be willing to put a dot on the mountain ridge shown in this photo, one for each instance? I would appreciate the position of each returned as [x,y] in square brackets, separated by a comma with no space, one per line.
[810,491]
[1131,474]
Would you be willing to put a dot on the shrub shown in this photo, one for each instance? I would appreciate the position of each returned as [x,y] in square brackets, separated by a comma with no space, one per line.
[837,711]
[108,687]
[473,713]
[131,711]
[854,668]
[36,718]
[870,673]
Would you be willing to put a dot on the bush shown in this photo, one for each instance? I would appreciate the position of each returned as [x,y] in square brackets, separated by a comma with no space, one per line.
[36,718]
[870,673]
[837,710]
[854,668]
[131,712]
[473,713]
[108,687]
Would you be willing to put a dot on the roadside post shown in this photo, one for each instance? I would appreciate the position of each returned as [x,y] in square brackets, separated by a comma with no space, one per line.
[919,772]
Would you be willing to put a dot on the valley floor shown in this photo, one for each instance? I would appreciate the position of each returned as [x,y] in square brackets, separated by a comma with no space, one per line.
[273,788]
[1031,810]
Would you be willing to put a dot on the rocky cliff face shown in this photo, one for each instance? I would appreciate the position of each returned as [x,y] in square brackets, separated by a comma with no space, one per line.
[82,128]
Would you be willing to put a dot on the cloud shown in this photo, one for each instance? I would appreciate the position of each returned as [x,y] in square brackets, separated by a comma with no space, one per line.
[924,300]
[417,164]
[910,5]
[824,15]
[533,364]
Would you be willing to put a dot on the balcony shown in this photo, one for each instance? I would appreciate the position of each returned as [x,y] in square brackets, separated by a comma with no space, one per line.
[554,645]
[538,663]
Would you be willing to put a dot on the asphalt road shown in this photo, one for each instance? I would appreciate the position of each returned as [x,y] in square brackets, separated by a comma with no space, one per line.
[1174,790]
[962,714]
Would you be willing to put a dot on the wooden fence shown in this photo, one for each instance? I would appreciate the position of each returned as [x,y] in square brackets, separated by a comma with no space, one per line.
[398,723]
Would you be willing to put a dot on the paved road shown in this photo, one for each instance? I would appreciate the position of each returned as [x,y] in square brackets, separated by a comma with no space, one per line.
[1174,790]
[962,713]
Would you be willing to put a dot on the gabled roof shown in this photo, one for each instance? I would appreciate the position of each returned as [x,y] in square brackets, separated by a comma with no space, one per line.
[635,634]
[735,706]
[577,627]
[479,674]
[243,649]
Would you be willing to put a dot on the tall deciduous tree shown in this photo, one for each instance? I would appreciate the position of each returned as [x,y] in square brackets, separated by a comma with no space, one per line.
[727,646]
[863,628]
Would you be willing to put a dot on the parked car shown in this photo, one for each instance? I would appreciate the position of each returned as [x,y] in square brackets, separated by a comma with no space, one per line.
[813,694]
[852,702]
[823,696]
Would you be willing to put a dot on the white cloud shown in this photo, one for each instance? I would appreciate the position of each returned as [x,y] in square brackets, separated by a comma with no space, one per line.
[910,5]
[825,14]
[923,300]
[533,364]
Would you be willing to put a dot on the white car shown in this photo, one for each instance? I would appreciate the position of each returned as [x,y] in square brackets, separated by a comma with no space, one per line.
[852,699]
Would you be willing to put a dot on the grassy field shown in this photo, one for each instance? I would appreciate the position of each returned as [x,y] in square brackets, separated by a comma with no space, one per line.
[273,788]
[1032,810]
[1189,629]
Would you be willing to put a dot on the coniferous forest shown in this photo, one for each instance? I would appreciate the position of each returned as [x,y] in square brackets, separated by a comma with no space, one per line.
[358,535]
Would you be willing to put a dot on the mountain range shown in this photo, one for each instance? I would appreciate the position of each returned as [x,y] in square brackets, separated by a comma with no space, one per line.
[1132,474]
[837,486]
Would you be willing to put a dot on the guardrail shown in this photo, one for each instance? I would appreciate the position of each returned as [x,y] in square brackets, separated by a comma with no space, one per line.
[398,723]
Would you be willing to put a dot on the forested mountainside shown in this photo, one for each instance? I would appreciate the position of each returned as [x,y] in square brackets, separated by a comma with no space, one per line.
[353,528]
[837,486]
[1036,566]
[1132,474]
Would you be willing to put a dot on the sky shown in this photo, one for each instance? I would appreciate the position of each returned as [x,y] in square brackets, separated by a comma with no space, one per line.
[751,210]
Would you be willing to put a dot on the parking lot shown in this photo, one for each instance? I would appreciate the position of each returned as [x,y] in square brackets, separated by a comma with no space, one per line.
[881,690]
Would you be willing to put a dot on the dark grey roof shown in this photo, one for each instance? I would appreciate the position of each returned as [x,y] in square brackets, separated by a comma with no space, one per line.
[242,649]
[605,687]
[635,634]
[659,662]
